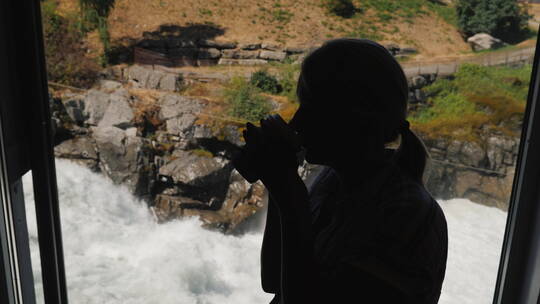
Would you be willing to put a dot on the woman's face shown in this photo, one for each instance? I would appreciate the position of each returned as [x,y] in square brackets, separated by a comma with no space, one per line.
[330,136]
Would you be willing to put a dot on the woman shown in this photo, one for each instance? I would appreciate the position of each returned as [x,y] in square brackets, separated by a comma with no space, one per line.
[367,231]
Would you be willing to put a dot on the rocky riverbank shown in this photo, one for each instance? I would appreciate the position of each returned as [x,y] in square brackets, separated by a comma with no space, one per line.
[154,143]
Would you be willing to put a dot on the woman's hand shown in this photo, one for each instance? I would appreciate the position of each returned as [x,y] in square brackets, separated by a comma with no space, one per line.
[275,145]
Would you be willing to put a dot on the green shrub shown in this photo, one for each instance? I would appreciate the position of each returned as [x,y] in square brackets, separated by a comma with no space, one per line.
[265,81]
[478,97]
[244,100]
[65,58]
[288,80]
[342,8]
[504,19]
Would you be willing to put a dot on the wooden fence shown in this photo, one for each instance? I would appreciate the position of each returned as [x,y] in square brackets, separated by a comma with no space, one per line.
[447,67]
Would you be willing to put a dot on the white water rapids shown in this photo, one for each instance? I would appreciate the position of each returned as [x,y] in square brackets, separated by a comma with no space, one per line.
[116,253]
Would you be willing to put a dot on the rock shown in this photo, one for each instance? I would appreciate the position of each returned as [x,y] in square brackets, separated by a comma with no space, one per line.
[138,75]
[119,114]
[407,51]
[124,159]
[194,170]
[74,106]
[216,44]
[273,55]
[202,132]
[226,61]
[497,147]
[239,54]
[131,132]
[173,105]
[393,48]
[453,150]
[154,80]
[81,150]
[83,147]
[169,82]
[95,104]
[109,85]
[179,113]
[270,46]
[473,155]
[420,96]
[295,50]
[209,53]
[249,46]
[180,125]
[483,41]
[418,82]
[242,199]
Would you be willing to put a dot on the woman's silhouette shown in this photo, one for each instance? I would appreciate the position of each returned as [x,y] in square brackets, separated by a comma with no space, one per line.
[366,231]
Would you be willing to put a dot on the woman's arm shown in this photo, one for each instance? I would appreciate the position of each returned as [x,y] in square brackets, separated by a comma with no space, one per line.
[299,282]
[271,249]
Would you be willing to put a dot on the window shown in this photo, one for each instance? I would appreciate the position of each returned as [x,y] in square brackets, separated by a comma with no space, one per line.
[142,204]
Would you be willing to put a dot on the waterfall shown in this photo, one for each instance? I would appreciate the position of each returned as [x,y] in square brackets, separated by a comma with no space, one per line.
[115,252]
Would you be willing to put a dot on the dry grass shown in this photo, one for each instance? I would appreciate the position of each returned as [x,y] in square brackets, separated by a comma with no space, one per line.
[284,22]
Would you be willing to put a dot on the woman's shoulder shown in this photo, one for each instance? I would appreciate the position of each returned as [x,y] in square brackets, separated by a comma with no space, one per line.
[403,190]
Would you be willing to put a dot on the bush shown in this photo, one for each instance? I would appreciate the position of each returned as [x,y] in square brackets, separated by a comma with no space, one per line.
[288,80]
[266,82]
[477,98]
[342,8]
[66,59]
[244,100]
[504,19]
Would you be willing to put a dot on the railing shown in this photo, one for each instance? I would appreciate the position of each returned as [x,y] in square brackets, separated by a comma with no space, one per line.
[445,67]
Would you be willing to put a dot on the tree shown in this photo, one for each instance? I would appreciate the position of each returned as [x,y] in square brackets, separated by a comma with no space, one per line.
[505,19]
[342,8]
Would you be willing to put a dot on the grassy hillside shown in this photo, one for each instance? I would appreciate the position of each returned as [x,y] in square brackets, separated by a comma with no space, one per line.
[422,24]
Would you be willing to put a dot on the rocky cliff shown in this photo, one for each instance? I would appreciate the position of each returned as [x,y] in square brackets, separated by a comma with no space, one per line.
[158,148]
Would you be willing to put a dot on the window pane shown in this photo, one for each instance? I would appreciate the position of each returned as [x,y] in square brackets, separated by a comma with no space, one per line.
[149,100]
[35,256]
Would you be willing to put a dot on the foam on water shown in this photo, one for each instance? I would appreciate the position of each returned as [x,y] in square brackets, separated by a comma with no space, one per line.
[116,253]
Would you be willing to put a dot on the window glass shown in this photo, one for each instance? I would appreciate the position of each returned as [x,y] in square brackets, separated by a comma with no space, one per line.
[149,100]
[32,234]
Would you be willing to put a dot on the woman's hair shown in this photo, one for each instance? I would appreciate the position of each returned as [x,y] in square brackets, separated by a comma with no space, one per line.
[359,75]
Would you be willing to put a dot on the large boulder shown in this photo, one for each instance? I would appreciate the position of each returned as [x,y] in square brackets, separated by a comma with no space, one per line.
[483,41]
[124,158]
[179,112]
[138,75]
[82,150]
[273,55]
[119,113]
[74,106]
[240,54]
[190,169]
[95,105]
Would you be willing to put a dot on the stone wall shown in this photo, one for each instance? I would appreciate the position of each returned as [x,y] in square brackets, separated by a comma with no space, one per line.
[177,52]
